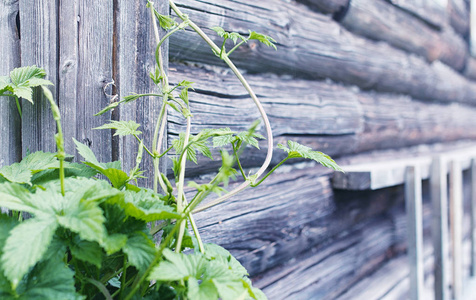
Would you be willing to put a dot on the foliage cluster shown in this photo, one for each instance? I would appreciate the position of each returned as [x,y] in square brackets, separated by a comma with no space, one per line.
[88,235]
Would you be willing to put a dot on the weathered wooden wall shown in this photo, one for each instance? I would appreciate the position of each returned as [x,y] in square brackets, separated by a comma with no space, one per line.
[350,77]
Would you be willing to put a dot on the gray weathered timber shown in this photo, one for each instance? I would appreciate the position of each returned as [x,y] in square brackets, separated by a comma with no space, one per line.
[94,78]
[10,123]
[313,45]
[135,59]
[459,16]
[68,69]
[326,116]
[327,6]
[380,20]
[433,12]
[472,233]
[413,206]
[39,45]
[456,226]
[439,199]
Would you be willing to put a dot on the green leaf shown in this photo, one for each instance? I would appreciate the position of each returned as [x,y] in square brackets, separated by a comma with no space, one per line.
[206,290]
[225,137]
[207,187]
[15,197]
[123,128]
[267,40]
[140,250]
[87,251]
[25,247]
[298,150]
[221,255]
[112,170]
[4,82]
[177,266]
[145,205]
[33,163]
[87,154]
[23,79]
[165,22]
[220,31]
[250,138]
[50,279]
[86,219]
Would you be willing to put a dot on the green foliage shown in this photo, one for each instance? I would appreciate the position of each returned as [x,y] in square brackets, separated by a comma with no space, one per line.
[21,82]
[87,237]
[297,150]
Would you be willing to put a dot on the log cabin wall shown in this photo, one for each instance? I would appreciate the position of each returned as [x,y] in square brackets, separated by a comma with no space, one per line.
[349,78]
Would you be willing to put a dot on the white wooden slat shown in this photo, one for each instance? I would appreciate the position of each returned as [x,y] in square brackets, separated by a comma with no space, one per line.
[438,190]
[413,201]
[456,222]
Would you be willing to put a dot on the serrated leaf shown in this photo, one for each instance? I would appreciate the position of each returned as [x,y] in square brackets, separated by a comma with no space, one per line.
[267,40]
[177,266]
[107,108]
[86,219]
[220,31]
[145,205]
[206,290]
[33,163]
[23,79]
[16,197]
[25,247]
[297,150]
[234,36]
[50,279]
[24,92]
[207,187]
[87,154]
[249,138]
[140,250]
[123,128]
[165,22]
[22,75]
[221,255]
[87,251]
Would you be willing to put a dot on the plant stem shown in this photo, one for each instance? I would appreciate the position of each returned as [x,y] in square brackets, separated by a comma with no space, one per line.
[253,96]
[100,287]
[235,152]
[123,277]
[180,185]
[270,172]
[162,120]
[145,147]
[157,257]
[18,106]
[236,47]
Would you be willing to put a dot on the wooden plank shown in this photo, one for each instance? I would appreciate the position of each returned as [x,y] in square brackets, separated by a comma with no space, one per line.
[433,12]
[379,174]
[327,6]
[472,32]
[381,21]
[459,18]
[39,47]
[413,203]
[312,45]
[135,59]
[94,77]
[456,217]
[10,123]
[69,19]
[326,116]
[472,234]
[439,231]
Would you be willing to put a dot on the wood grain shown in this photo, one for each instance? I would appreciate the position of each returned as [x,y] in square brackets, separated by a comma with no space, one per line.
[458,11]
[94,77]
[433,12]
[10,123]
[380,20]
[327,6]
[39,44]
[329,117]
[134,60]
[312,45]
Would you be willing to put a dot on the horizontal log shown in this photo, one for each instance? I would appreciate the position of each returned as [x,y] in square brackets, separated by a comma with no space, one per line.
[291,213]
[328,117]
[381,21]
[327,6]
[312,45]
[458,11]
[433,12]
